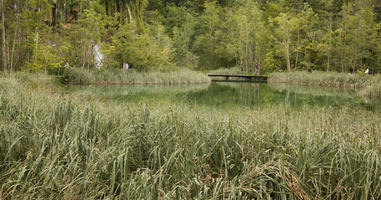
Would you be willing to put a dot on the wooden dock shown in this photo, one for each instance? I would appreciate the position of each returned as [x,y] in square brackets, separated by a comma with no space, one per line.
[247,77]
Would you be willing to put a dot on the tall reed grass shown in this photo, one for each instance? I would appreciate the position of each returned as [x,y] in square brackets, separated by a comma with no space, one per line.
[232,70]
[369,86]
[117,76]
[374,89]
[59,147]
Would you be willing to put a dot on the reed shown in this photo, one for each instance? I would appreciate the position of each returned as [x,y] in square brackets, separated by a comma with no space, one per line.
[132,77]
[373,90]
[367,86]
[232,70]
[331,79]
[60,147]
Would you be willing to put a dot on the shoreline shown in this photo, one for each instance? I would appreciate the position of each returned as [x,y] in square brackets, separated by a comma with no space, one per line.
[365,85]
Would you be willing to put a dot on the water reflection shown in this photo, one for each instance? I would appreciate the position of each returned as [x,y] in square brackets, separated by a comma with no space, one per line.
[258,94]
[228,95]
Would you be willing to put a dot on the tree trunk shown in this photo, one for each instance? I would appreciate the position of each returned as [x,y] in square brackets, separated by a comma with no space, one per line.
[247,50]
[3,36]
[14,39]
[286,43]
[17,59]
[107,8]
[64,12]
[129,14]
[345,46]
[328,62]
[241,59]
[297,49]
[288,57]
[329,44]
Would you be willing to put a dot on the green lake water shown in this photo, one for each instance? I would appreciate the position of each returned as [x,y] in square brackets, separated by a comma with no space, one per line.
[229,95]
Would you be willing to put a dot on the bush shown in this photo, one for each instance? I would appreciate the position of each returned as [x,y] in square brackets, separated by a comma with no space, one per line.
[45,59]
[143,51]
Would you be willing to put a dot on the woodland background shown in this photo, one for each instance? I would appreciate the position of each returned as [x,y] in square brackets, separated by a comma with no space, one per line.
[325,35]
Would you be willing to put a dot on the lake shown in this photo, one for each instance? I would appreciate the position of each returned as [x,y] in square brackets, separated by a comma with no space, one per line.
[230,95]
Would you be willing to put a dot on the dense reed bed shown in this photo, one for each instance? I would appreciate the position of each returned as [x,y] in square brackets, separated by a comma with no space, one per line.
[368,86]
[373,90]
[331,79]
[132,77]
[55,146]
[232,70]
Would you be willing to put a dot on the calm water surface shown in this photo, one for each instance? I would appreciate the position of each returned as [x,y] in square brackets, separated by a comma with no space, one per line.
[230,95]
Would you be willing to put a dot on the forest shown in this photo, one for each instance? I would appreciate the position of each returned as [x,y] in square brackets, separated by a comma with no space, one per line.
[275,35]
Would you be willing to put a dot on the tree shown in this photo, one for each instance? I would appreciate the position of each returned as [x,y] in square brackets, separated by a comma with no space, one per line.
[285,27]
[209,38]
[358,35]
[205,34]
[130,9]
[326,45]
[45,59]
[250,35]
[3,36]
[143,51]
[182,43]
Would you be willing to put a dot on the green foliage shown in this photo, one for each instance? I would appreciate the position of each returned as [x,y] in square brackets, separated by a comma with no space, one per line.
[209,39]
[143,52]
[323,35]
[45,59]
[271,63]
[183,34]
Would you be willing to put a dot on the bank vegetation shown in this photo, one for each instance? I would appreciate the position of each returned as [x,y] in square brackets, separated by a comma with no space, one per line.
[57,146]
[366,85]
[133,77]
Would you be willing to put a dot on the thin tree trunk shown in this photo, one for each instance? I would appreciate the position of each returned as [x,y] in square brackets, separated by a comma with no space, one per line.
[17,60]
[36,39]
[8,53]
[287,48]
[14,39]
[129,13]
[329,44]
[297,50]
[361,54]
[259,64]
[328,62]
[107,8]
[345,48]
[3,36]
[247,49]
[84,55]
[64,12]
[288,57]
[241,50]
